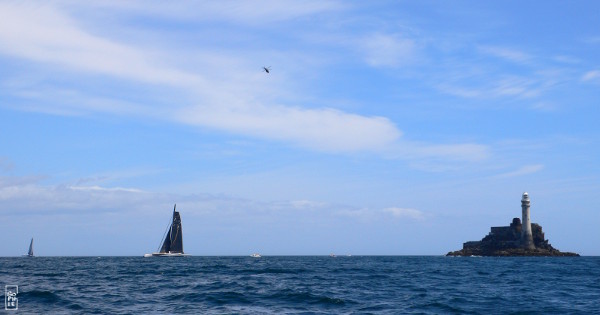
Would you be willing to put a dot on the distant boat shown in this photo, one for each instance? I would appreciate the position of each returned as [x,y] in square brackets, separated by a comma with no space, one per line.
[30,253]
[256,255]
[173,244]
[332,255]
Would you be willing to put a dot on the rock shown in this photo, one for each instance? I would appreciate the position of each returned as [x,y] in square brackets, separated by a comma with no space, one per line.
[506,241]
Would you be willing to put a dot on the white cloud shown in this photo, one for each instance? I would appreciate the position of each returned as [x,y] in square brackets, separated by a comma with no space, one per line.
[566,59]
[306,204]
[591,75]
[322,129]
[369,214]
[234,11]
[515,86]
[544,106]
[103,189]
[47,35]
[6,164]
[505,53]
[485,78]
[274,10]
[388,50]
[233,100]
[466,151]
[460,91]
[31,196]
[504,86]
[525,170]
[27,195]
[437,156]
[592,40]
[405,213]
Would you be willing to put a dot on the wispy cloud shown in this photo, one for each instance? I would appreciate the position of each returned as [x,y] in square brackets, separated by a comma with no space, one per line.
[406,213]
[388,50]
[566,59]
[501,86]
[6,164]
[370,214]
[104,189]
[466,151]
[239,11]
[306,204]
[9,182]
[48,35]
[321,129]
[592,40]
[515,86]
[27,196]
[544,106]
[591,76]
[525,170]
[509,54]
[490,72]
[230,102]
[436,157]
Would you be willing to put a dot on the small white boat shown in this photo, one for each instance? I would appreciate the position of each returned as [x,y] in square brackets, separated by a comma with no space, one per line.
[256,255]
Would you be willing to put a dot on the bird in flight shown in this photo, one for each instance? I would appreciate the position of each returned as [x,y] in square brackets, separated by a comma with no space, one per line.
[267,69]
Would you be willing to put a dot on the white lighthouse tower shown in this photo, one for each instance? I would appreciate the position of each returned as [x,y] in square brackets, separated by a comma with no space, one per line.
[526,235]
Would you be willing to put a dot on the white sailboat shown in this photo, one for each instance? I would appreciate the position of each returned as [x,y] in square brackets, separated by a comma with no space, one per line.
[173,243]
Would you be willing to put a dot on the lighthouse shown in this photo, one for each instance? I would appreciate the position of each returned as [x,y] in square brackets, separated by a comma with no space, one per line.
[526,235]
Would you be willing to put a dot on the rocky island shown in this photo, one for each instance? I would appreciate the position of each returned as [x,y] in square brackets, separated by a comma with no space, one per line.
[517,239]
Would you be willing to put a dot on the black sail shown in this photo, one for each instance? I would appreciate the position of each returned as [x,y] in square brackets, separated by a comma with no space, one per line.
[30,253]
[166,246]
[176,235]
[174,239]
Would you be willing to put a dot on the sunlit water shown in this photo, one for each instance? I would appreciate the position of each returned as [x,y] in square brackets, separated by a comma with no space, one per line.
[304,285]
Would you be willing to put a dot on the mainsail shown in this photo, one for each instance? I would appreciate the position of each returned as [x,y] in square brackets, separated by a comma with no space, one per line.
[174,239]
[30,253]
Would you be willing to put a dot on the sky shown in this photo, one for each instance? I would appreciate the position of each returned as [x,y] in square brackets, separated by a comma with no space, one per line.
[383,127]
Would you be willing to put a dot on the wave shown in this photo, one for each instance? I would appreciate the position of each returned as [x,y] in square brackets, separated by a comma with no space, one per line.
[278,285]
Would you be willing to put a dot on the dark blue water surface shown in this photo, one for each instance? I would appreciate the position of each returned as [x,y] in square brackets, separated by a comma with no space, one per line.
[304,285]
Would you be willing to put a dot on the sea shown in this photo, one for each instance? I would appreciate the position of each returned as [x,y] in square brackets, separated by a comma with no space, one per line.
[304,285]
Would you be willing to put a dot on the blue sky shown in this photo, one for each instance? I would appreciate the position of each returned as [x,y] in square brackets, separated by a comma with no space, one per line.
[384,127]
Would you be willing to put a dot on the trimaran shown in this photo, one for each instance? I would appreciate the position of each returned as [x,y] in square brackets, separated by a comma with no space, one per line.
[173,243]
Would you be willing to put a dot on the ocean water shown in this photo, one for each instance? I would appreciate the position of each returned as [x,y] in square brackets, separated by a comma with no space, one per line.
[304,285]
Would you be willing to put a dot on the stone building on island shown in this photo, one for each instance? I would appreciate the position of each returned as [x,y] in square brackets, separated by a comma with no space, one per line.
[520,238]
